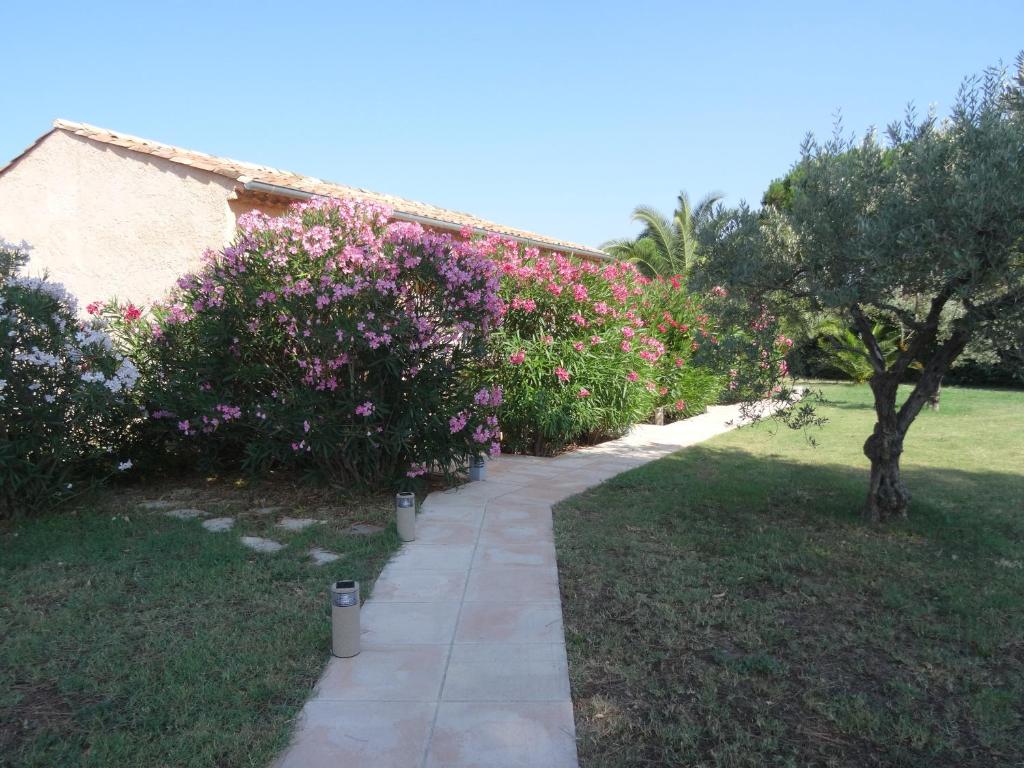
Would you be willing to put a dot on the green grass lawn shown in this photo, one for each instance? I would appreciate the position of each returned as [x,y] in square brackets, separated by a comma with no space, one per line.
[131,639]
[726,606]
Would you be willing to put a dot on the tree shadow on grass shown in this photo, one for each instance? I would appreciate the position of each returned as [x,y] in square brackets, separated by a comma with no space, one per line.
[846,405]
[953,505]
[800,634]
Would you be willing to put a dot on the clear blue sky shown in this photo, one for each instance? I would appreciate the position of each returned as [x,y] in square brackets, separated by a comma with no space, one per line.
[551,116]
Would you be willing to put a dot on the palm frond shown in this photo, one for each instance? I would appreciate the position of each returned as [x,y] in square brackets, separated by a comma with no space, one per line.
[620,248]
[668,244]
[657,227]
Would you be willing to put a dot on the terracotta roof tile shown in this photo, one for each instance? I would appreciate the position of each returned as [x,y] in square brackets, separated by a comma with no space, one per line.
[243,172]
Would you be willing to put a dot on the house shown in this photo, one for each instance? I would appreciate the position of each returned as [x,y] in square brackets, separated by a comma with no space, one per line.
[109,214]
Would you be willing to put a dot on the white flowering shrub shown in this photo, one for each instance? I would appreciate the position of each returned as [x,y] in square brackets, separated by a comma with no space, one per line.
[64,393]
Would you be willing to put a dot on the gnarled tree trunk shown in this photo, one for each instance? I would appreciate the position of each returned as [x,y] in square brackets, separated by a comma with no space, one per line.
[888,497]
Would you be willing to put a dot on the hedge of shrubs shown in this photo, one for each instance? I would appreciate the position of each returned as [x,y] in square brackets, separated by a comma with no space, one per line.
[335,342]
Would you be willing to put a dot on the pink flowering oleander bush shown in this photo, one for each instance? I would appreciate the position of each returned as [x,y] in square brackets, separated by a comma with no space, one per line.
[65,393]
[689,371]
[326,340]
[586,350]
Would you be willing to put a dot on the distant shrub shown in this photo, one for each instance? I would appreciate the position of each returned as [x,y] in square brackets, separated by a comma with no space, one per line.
[64,393]
[326,340]
[587,350]
[689,373]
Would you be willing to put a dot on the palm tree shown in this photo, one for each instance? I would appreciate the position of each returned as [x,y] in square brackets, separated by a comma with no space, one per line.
[666,246]
[848,353]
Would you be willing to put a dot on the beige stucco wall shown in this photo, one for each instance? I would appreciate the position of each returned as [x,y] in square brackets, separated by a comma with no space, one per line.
[106,221]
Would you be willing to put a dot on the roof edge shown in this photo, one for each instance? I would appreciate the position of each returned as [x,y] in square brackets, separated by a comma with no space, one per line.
[17,158]
[253,185]
[247,174]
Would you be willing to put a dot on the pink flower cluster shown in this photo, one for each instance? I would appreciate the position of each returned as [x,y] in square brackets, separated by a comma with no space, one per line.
[649,328]
[357,320]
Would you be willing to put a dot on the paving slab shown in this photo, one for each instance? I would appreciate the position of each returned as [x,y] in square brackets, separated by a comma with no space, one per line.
[260,544]
[433,557]
[296,523]
[158,504]
[219,524]
[386,673]
[408,623]
[186,514]
[472,513]
[463,651]
[503,735]
[501,622]
[266,510]
[383,734]
[323,556]
[535,553]
[446,531]
[411,586]
[507,672]
[518,584]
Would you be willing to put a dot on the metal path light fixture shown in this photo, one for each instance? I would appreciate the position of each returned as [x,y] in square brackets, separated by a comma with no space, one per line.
[345,619]
[478,469]
[405,515]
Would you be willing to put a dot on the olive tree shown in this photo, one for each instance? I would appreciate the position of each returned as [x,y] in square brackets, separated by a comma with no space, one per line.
[924,229]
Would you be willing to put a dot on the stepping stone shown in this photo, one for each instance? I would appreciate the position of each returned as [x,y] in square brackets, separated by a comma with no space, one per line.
[157,504]
[322,556]
[219,524]
[186,514]
[266,510]
[296,523]
[261,544]
[363,529]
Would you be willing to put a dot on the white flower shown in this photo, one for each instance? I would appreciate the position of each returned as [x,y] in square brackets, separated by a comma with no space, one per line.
[124,465]
[94,337]
[55,291]
[124,378]
[38,357]
[49,398]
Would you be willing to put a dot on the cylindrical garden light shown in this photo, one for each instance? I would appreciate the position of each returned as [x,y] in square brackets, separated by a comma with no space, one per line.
[345,619]
[478,469]
[405,515]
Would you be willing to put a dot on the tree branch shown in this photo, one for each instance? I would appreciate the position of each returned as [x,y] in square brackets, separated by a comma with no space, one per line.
[905,315]
[928,330]
[875,355]
[931,377]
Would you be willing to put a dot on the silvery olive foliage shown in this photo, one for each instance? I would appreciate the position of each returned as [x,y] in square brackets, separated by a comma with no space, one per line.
[921,228]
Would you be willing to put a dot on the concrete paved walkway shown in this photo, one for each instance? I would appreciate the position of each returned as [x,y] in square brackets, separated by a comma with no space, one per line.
[463,656]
